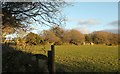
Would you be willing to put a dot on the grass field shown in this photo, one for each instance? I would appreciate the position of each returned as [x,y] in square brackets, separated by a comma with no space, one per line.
[84,58]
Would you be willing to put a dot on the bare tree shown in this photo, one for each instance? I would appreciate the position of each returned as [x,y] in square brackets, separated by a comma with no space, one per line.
[21,14]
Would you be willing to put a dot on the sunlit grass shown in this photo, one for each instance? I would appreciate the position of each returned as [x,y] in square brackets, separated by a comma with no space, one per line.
[82,58]
[34,49]
[87,58]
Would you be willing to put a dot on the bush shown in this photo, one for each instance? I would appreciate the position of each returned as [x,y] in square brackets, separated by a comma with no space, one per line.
[109,44]
[58,43]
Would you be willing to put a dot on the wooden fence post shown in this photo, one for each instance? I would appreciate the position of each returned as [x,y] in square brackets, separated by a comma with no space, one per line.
[51,60]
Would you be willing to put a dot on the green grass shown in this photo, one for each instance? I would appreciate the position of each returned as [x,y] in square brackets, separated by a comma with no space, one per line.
[83,58]
[35,49]
[71,58]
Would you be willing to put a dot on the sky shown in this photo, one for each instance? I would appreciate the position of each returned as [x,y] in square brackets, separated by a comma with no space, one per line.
[88,17]
[92,0]
[92,16]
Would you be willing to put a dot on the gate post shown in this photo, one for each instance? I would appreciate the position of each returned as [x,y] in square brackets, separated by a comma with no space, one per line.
[51,60]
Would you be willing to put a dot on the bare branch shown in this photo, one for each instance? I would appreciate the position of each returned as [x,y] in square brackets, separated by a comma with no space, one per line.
[45,13]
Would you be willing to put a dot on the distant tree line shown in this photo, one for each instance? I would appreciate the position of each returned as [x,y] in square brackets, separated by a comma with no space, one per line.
[101,37]
[59,36]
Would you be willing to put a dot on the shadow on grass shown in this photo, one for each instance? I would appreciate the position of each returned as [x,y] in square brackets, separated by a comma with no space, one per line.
[18,61]
[81,66]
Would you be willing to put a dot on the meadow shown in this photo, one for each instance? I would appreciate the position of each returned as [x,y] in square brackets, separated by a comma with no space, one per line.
[83,58]
[98,58]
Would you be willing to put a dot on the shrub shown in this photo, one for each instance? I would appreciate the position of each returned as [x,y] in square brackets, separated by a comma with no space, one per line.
[58,43]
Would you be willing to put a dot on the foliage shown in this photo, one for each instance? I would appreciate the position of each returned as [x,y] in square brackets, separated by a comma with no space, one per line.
[21,14]
[32,38]
[114,39]
[73,36]
[3,39]
[104,38]
[58,43]
[76,36]
[50,36]
[88,38]
[58,31]
[19,39]
[59,36]
[98,37]
[66,36]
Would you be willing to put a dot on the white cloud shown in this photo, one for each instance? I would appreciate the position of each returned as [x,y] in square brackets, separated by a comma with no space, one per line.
[83,21]
[89,22]
[83,30]
[114,30]
[115,23]
[73,19]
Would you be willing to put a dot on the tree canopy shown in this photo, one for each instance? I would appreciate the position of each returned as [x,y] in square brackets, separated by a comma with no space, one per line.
[101,37]
[73,36]
[32,38]
[50,36]
[21,14]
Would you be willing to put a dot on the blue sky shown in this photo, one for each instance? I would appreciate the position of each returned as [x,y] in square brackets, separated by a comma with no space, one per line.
[91,16]
[92,0]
